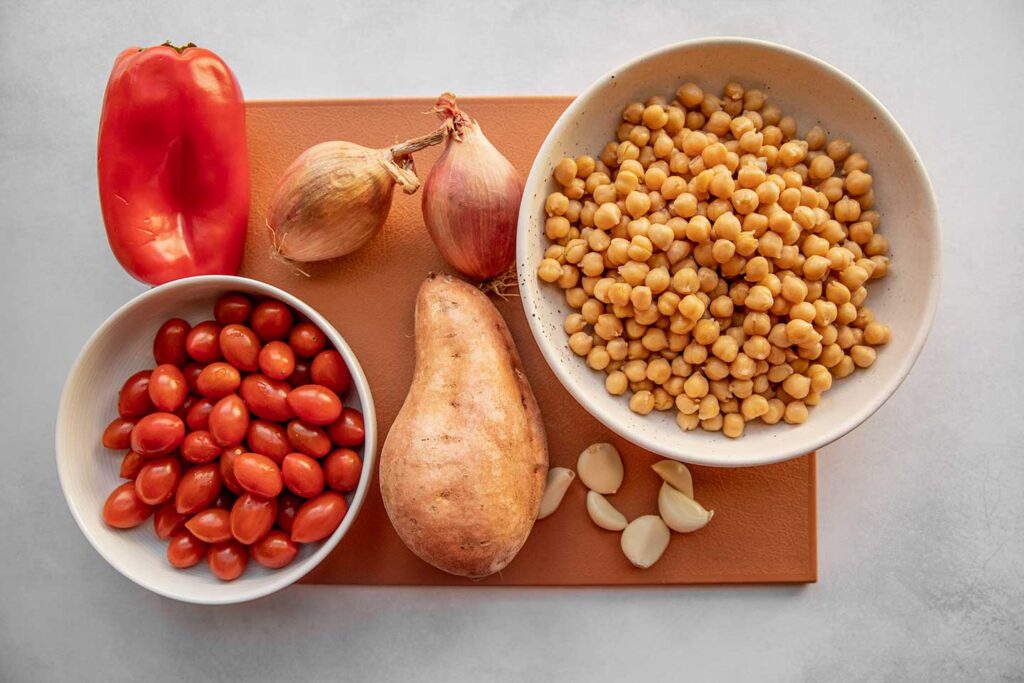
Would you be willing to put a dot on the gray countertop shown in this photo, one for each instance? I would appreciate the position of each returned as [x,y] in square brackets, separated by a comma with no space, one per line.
[921,531]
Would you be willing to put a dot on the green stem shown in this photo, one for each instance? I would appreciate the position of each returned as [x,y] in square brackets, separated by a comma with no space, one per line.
[179,49]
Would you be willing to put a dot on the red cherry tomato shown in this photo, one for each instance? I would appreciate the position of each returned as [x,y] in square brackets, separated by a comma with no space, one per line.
[315,404]
[348,430]
[342,470]
[277,360]
[227,560]
[157,480]
[319,517]
[133,400]
[328,369]
[157,434]
[118,434]
[229,420]
[287,505]
[192,372]
[267,398]
[167,388]
[185,550]
[130,465]
[252,517]
[199,448]
[124,509]
[232,309]
[269,439]
[275,550]
[258,474]
[198,416]
[217,380]
[271,320]
[169,343]
[306,340]
[203,342]
[198,488]
[241,347]
[167,521]
[302,475]
[301,375]
[227,469]
[309,439]
[212,525]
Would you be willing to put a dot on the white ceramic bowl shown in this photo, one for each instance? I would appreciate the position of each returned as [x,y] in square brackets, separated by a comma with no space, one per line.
[89,472]
[814,93]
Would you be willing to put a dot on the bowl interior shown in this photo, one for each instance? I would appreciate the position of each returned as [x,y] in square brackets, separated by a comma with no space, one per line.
[813,93]
[89,472]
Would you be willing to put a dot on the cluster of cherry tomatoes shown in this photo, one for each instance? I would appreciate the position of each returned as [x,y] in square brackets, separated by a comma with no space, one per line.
[239,444]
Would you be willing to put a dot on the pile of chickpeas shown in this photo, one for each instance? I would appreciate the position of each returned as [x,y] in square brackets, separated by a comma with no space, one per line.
[715,261]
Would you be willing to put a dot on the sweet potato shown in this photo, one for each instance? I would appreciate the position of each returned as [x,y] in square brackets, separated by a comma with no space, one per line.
[463,468]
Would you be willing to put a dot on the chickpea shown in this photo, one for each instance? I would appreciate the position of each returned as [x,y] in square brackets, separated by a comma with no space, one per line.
[616,383]
[691,307]
[556,227]
[757,347]
[608,326]
[838,149]
[696,386]
[654,339]
[844,368]
[821,167]
[695,354]
[863,356]
[659,371]
[570,277]
[708,407]
[642,402]
[580,343]
[876,334]
[795,412]
[725,348]
[753,407]
[598,358]
[712,425]
[759,298]
[549,270]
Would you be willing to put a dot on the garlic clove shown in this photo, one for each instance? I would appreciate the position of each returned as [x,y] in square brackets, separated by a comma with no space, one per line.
[557,484]
[604,513]
[680,512]
[600,468]
[676,475]
[644,540]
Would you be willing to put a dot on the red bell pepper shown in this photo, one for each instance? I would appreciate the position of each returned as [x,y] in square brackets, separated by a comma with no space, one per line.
[173,167]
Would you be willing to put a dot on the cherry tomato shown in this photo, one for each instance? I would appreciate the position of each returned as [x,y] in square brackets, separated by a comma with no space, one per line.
[287,505]
[198,488]
[232,309]
[185,550]
[302,475]
[217,380]
[118,434]
[258,474]
[229,420]
[252,517]
[167,388]
[167,521]
[203,342]
[301,375]
[267,398]
[275,550]
[157,434]
[271,320]
[199,448]
[198,416]
[241,347]
[158,480]
[133,399]
[169,343]
[130,465]
[319,517]
[227,469]
[328,369]
[227,560]
[269,439]
[306,340]
[124,509]
[277,360]
[342,470]
[315,404]
[348,430]
[192,372]
[309,439]
[212,525]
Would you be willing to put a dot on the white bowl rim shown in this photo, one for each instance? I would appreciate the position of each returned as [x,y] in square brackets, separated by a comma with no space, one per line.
[527,281]
[280,578]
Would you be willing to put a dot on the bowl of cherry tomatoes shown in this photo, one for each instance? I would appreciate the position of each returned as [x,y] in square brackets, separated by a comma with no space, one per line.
[216,439]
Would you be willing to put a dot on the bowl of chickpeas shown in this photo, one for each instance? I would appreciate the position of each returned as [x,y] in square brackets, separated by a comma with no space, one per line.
[728,252]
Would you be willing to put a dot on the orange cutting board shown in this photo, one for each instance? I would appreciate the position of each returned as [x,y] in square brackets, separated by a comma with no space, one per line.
[764,525]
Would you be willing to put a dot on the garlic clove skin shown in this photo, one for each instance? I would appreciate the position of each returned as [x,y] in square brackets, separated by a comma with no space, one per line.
[600,468]
[680,512]
[644,540]
[603,513]
[558,481]
[676,474]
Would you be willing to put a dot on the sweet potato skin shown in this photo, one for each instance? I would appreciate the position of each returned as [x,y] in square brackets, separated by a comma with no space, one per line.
[462,470]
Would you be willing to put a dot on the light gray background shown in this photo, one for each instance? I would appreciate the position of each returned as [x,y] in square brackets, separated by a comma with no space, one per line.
[921,509]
